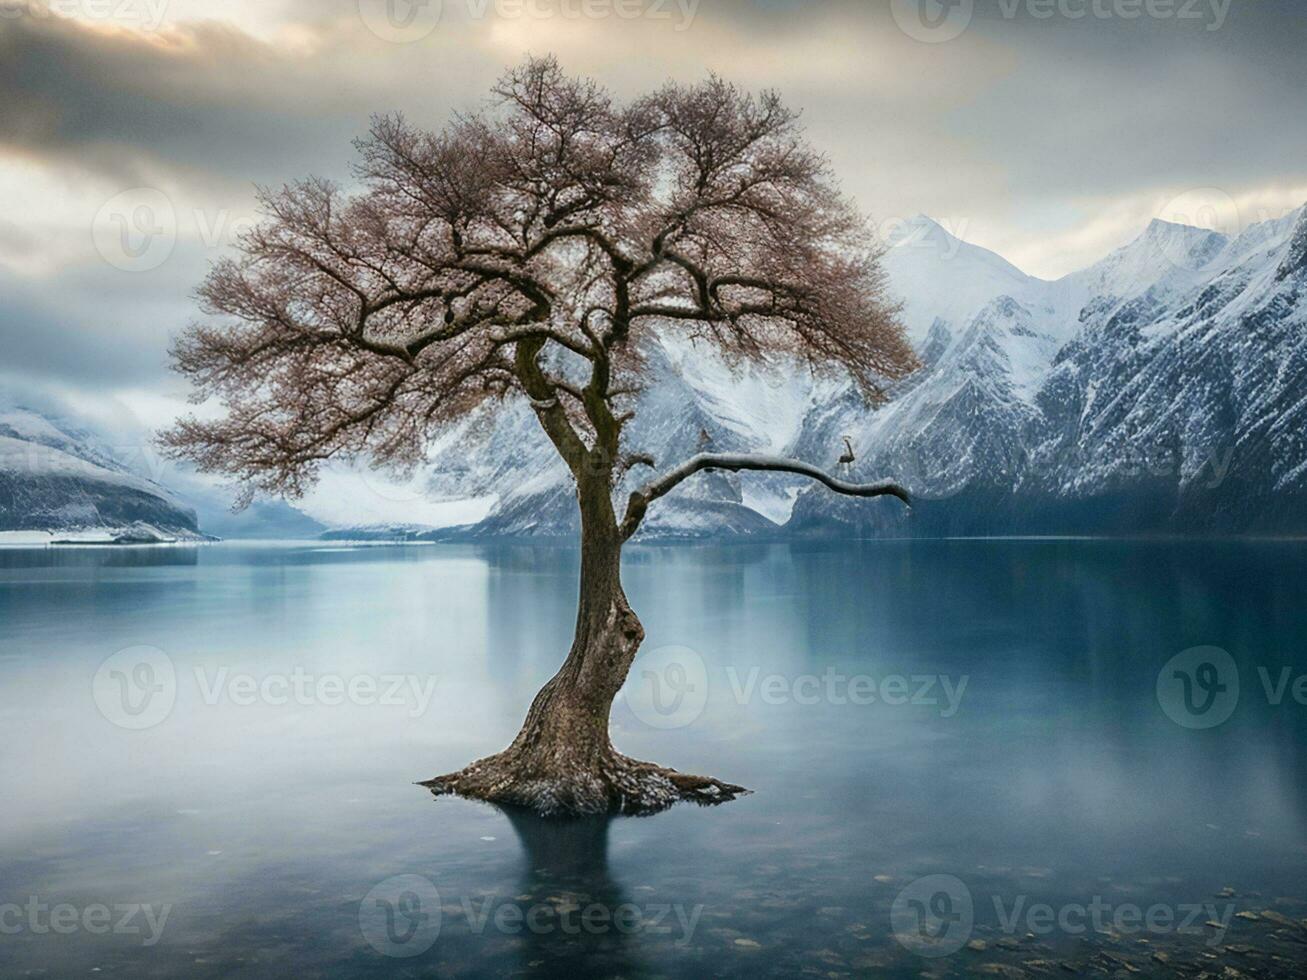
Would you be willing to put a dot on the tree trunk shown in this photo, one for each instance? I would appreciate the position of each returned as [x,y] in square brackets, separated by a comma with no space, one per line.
[562,762]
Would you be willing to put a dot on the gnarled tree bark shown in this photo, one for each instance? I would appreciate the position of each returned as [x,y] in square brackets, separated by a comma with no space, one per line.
[563,761]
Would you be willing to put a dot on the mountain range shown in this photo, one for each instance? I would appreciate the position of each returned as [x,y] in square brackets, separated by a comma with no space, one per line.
[1161,390]
[59,481]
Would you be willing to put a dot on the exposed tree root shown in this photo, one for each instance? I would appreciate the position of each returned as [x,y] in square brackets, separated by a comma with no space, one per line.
[618,785]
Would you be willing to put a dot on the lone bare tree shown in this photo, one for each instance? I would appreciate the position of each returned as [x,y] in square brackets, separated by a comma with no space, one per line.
[531,250]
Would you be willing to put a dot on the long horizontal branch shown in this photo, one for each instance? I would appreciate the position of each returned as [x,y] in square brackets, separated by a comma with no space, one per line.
[641,499]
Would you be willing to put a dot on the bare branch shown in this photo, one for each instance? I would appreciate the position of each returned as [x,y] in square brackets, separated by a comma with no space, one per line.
[642,498]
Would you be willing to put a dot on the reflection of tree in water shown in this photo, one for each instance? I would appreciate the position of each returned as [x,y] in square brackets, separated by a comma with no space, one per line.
[564,873]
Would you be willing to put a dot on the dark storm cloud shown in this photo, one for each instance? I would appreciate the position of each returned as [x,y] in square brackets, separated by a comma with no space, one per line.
[1023,127]
[211,100]
[213,97]
[1077,102]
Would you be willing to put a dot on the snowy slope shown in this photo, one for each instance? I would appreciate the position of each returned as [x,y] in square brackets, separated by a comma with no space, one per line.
[1174,404]
[695,396]
[1162,388]
[1201,399]
[55,478]
[942,279]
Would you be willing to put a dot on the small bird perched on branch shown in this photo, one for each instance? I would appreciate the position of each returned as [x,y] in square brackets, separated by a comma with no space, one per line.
[846,460]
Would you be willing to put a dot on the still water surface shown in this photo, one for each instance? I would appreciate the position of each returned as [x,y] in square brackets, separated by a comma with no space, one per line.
[982,710]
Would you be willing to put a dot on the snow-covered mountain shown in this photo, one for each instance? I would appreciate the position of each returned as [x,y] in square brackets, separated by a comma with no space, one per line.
[694,398]
[1162,389]
[58,482]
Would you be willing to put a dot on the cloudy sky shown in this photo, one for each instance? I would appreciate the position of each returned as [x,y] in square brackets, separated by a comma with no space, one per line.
[132,131]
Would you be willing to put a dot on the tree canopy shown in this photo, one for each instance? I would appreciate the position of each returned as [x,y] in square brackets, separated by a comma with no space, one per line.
[529,249]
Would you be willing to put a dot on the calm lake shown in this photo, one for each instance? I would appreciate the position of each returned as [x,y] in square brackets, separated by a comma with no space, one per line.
[208,757]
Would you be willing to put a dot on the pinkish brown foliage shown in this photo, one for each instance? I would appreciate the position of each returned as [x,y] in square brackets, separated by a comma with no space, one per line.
[527,250]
